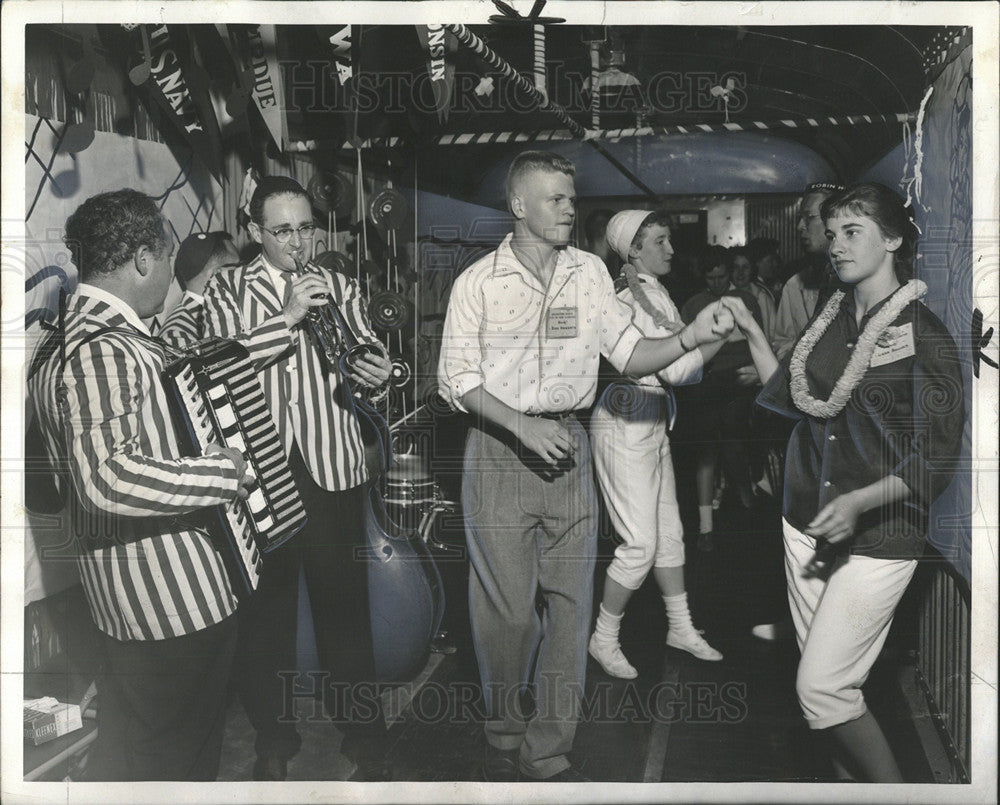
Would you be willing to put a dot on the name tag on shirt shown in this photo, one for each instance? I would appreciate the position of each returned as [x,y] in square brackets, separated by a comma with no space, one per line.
[895,344]
[561,322]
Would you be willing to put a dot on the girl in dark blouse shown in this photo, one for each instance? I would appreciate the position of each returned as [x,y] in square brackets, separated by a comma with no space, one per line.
[875,384]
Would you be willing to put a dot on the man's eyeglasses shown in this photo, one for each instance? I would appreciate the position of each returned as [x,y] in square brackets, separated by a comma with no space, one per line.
[284,233]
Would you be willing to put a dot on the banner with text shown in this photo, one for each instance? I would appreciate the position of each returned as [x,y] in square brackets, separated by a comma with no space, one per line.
[256,57]
[187,105]
[440,68]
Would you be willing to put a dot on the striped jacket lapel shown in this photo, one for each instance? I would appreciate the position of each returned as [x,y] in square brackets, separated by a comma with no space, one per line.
[261,298]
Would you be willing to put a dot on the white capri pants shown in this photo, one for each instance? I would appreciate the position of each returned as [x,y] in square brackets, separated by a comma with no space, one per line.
[631,447]
[841,625]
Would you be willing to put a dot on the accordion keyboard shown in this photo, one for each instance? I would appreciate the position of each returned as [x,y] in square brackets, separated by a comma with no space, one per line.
[218,399]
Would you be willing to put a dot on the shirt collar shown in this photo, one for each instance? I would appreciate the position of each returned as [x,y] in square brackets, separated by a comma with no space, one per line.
[118,304]
[849,305]
[506,261]
[276,274]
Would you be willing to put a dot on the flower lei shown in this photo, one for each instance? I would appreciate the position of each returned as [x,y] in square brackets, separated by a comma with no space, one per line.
[660,319]
[858,364]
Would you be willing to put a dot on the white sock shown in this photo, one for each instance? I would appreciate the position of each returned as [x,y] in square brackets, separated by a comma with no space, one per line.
[678,615]
[606,630]
[704,519]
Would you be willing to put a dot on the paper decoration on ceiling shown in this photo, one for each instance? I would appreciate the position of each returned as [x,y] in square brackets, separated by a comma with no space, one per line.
[510,16]
[726,94]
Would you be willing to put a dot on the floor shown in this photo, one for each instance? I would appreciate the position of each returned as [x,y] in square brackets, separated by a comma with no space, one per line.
[681,720]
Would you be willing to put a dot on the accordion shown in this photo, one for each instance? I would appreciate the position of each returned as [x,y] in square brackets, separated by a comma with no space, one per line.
[215,397]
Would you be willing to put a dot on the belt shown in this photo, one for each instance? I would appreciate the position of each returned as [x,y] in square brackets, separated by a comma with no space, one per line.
[561,415]
[668,392]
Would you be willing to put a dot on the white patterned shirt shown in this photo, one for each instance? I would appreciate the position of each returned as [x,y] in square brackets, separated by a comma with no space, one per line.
[535,349]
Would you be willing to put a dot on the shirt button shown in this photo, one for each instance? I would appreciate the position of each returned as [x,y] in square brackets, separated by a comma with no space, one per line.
[827,483]
[833,438]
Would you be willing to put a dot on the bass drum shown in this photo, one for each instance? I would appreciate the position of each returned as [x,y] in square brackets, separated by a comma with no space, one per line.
[405,593]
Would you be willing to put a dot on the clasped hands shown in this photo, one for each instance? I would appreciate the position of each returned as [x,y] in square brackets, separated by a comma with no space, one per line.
[713,323]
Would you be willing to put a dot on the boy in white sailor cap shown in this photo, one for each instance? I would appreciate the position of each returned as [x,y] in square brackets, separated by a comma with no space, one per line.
[629,434]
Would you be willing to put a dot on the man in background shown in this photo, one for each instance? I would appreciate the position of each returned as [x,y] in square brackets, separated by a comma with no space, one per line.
[198,258]
[815,280]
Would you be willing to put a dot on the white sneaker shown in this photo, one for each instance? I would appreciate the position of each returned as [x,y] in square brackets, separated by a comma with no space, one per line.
[611,659]
[693,643]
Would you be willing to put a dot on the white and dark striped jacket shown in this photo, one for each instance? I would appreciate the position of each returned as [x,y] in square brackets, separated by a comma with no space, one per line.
[309,404]
[185,323]
[104,420]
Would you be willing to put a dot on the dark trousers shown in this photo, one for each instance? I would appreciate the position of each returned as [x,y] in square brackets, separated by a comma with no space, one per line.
[330,549]
[162,706]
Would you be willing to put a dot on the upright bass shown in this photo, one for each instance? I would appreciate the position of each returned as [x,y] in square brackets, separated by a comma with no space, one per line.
[406,595]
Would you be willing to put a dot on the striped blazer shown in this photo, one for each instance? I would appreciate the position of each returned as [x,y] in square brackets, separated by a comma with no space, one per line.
[311,406]
[103,416]
[185,323]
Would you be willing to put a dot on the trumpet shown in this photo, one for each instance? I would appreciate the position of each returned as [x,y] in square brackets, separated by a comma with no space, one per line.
[336,339]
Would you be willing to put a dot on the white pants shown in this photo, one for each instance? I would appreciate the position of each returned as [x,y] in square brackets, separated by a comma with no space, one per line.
[628,433]
[841,624]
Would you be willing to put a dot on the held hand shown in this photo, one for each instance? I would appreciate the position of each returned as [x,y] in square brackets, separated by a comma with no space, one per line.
[747,376]
[243,473]
[741,313]
[702,326]
[371,371]
[724,323]
[547,438]
[307,291]
[837,520]
[673,327]
[712,323]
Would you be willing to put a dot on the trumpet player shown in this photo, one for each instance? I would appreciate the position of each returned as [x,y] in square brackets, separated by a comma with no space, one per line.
[264,304]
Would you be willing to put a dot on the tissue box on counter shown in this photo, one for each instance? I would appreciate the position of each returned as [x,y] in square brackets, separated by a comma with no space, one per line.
[47,718]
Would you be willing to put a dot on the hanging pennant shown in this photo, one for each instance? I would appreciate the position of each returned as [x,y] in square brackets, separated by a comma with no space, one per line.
[256,57]
[166,57]
[344,43]
[340,39]
[439,43]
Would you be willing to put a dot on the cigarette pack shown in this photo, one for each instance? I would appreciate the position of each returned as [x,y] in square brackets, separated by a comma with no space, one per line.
[47,718]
